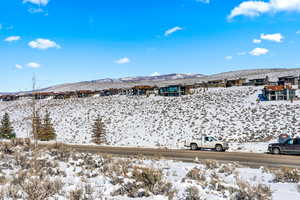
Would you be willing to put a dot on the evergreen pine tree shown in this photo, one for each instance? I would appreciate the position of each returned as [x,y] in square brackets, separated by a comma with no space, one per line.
[37,126]
[47,131]
[99,132]
[6,129]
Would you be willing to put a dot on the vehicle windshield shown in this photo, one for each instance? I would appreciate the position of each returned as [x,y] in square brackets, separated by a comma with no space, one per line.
[210,139]
[290,141]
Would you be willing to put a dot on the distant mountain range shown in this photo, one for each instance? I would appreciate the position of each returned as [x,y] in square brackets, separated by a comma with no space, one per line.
[169,79]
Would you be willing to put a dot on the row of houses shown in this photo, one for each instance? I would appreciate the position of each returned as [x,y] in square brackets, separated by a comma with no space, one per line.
[171,90]
[285,80]
[280,90]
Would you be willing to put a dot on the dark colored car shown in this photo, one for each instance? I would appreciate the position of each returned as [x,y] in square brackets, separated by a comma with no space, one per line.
[290,146]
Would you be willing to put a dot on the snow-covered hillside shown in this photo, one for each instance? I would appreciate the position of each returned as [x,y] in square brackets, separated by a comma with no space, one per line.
[228,113]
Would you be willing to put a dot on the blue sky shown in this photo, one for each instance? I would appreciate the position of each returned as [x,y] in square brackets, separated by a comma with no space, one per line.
[73,40]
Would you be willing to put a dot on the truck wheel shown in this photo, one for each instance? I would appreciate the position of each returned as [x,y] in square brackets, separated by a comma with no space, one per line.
[276,151]
[194,147]
[219,148]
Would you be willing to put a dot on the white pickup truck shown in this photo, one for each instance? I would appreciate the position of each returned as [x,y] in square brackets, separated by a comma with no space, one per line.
[206,142]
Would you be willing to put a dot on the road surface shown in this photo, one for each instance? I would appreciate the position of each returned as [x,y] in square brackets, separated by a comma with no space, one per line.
[248,159]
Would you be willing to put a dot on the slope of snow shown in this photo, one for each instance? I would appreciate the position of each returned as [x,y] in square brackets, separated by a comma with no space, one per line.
[231,114]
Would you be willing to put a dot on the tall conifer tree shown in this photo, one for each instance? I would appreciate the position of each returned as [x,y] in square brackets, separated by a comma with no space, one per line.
[6,129]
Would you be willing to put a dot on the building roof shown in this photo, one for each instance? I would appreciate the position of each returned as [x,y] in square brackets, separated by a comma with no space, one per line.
[288,77]
[277,87]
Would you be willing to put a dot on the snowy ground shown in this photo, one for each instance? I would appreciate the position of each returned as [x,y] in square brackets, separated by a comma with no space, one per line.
[62,174]
[231,114]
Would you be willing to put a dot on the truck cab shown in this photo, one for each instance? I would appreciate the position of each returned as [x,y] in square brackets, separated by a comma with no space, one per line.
[207,142]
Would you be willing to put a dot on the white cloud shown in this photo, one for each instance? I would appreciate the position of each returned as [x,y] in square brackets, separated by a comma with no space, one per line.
[228,57]
[277,37]
[123,60]
[33,65]
[155,74]
[256,41]
[256,8]
[12,38]
[204,1]
[241,53]
[173,30]
[43,44]
[37,2]
[35,10]
[259,51]
[19,66]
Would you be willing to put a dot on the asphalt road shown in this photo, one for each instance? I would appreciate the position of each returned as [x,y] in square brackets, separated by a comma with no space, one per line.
[248,159]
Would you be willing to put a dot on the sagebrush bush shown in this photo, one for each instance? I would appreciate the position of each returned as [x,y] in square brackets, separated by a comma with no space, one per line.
[288,175]
[211,164]
[149,177]
[76,194]
[246,191]
[192,193]
[38,189]
[196,174]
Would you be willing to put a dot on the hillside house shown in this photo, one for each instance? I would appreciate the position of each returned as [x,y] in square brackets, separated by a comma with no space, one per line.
[235,82]
[173,90]
[289,80]
[280,92]
[9,97]
[42,95]
[259,81]
[111,91]
[216,83]
[64,95]
[84,93]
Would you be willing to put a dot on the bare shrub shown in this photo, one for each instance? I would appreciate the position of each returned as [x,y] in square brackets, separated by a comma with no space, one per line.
[149,177]
[116,169]
[76,194]
[246,191]
[192,193]
[14,192]
[61,152]
[38,189]
[287,175]
[172,194]
[2,194]
[196,174]
[227,169]
[146,181]
[211,164]
[88,189]
[3,180]
[6,148]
